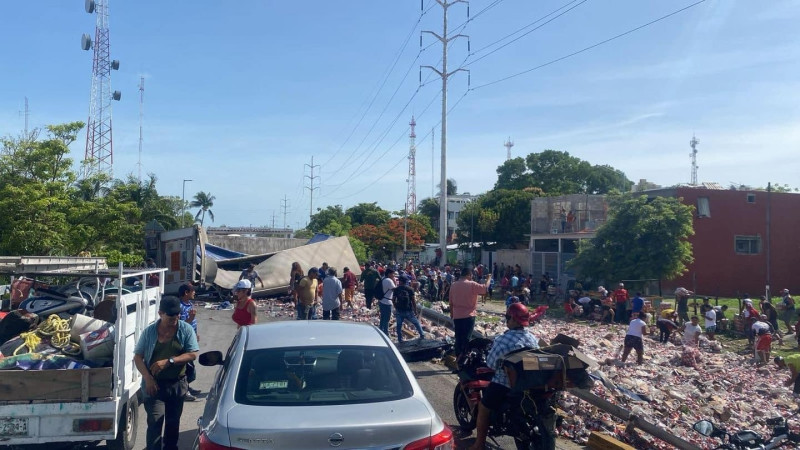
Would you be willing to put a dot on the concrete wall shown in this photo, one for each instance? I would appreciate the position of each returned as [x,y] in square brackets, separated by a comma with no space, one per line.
[512,257]
[255,245]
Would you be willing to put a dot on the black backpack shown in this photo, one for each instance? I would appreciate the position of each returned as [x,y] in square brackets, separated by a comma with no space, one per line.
[403,298]
[379,292]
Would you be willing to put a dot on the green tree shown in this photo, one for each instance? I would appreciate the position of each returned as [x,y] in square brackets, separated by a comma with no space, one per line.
[359,249]
[642,239]
[331,220]
[558,173]
[368,214]
[502,216]
[429,207]
[204,201]
[513,174]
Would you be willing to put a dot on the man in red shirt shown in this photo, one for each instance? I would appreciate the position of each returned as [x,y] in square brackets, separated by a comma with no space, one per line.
[621,299]
[349,284]
[463,306]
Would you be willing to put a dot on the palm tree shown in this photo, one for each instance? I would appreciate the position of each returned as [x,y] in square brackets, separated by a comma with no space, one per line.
[204,201]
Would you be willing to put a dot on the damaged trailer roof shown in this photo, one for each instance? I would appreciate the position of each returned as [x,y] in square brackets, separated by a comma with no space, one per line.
[274,268]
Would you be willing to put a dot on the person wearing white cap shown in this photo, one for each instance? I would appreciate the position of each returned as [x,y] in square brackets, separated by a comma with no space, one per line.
[788,309]
[244,313]
[750,317]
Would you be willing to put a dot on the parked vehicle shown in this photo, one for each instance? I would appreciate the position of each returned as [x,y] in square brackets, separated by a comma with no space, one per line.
[528,415]
[86,405]
[300,385]
[749,439]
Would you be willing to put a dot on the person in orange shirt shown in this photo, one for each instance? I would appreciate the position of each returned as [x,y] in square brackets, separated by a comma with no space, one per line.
[463,306]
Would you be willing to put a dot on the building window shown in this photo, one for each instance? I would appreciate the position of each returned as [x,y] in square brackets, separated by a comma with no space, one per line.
[747,245]
[751,198]
[703,210]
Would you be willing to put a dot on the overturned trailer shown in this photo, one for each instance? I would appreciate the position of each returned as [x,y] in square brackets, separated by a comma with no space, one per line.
[274,268]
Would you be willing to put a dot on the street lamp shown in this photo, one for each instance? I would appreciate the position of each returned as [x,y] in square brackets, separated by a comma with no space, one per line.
[183,204]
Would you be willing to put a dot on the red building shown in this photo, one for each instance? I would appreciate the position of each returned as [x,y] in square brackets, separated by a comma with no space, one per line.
[743,241]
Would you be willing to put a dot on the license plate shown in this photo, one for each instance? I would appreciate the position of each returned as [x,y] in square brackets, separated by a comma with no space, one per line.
[10,426]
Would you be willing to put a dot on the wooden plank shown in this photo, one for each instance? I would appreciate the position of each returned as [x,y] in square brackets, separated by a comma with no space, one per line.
[632,420]
[55,385]
[599,441]
[84,386]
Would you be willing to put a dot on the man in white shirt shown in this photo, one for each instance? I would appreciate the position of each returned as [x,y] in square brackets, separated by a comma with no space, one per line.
[385,302]
[710,317]
[692,332]
[633,339]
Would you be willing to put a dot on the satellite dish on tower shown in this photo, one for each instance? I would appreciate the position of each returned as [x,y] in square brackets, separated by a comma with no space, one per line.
[115,64]
[86,42]
[89,6]
[116,95]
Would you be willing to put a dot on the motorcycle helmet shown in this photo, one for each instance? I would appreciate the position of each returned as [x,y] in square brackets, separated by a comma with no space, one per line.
[519,313]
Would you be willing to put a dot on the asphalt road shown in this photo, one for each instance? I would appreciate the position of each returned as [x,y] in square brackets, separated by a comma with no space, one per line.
[216,329]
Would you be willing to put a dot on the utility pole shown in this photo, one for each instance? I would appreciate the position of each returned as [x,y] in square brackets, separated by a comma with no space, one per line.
[273,219]
[433,172]
[444,74]
[508,146]
[285,208]
[311,186]
[141,120]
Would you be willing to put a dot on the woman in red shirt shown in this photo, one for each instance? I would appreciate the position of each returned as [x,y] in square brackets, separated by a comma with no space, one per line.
[244,313]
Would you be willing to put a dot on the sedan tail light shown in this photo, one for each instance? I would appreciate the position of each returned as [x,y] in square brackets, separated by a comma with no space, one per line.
[442,440]
[207,444]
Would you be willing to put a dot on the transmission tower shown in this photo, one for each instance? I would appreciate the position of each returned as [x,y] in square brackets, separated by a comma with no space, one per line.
[444,74]
[508,146]
[141,121]
[411,199]
[311,186]
[26,113]
[99,157]
[693,143]
[285,208]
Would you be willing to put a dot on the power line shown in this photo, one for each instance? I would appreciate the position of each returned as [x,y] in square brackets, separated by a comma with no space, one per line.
[382,84]
[589,47]
[403,158]
[524,34]
[357,170]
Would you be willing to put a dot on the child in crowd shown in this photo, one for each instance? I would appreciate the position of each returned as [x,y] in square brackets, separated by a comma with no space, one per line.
[763,346]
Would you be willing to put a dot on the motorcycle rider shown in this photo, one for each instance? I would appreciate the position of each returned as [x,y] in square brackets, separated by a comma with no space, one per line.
[517,337]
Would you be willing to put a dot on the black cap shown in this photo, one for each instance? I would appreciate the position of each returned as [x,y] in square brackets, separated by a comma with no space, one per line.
[170,305]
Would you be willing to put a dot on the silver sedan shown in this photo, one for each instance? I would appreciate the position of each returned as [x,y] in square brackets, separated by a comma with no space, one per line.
[316,385]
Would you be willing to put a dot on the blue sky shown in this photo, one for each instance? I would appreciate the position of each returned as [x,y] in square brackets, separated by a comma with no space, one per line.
[240,95]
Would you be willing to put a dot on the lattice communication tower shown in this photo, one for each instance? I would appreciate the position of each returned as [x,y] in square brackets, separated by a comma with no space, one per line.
[99,157]
[411,199]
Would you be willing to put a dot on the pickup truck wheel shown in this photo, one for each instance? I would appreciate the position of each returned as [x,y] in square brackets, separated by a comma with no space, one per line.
[126,434]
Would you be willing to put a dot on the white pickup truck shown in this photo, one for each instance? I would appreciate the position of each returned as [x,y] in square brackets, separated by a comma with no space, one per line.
[84,405]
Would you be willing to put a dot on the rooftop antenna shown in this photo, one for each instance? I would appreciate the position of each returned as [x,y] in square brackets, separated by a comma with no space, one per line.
[508,146]
[141,120]
[99,157]
[693,143]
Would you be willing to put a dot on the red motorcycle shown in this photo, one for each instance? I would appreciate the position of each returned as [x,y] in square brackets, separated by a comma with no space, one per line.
[530,420]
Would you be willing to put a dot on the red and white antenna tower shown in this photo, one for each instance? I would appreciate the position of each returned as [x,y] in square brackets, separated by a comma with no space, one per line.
[99,156]
[411,199]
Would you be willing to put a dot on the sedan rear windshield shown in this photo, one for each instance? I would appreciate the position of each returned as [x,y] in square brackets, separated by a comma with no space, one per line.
[320,376]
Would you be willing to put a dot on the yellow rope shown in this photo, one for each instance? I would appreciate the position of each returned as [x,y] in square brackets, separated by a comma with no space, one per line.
[31,340]
[58,329]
